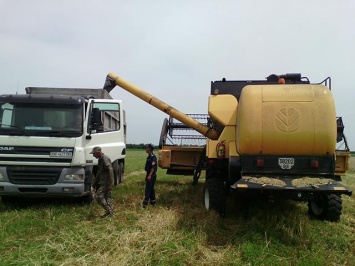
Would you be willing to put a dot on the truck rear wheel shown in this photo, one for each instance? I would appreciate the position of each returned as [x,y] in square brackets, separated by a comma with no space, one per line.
[117,172]
[116,179]
[325,207]
[120,172]
[215,195]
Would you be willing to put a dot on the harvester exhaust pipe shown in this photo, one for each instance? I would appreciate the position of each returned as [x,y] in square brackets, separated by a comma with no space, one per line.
[112,80]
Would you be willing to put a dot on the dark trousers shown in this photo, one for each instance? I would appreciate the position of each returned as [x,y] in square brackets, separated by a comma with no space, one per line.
[149,190]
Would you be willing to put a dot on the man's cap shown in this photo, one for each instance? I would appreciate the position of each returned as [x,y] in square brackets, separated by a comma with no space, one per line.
[95,149]
[150,146]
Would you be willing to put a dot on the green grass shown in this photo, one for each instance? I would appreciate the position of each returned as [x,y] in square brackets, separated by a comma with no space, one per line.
[178,231]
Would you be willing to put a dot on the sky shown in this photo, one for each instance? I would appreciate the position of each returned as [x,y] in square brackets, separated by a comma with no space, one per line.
[174,49]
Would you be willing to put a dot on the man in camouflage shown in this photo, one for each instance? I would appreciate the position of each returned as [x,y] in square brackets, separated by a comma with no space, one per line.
[102,182]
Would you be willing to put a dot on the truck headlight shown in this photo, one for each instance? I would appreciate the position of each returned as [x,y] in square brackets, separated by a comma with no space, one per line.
[2,178]
[79,177]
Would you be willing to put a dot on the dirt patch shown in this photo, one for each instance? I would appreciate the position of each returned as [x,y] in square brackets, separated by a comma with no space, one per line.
[135,173]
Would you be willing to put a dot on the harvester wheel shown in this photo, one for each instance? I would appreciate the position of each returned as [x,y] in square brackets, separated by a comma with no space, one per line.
[325,207]
[215,195]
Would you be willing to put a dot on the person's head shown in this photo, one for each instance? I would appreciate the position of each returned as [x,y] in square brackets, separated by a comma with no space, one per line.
[149,148]
[96,152]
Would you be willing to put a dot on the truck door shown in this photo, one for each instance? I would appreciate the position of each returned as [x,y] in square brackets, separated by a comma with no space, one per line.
[105,128]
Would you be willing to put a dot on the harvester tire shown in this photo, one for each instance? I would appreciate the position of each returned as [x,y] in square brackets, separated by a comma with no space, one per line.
[325,207]
[215,195]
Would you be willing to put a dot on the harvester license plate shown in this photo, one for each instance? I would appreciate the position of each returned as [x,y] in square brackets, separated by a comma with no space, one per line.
[286,163]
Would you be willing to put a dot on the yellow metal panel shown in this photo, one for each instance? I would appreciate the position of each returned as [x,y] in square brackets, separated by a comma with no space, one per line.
[223,108]
[249,121]
[232,148]
[289,93]
[280,119]
[179,157]
[228,136]
[164,159]
[342,161]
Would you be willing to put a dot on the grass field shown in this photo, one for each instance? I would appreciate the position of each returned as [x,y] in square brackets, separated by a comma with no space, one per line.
[178,231]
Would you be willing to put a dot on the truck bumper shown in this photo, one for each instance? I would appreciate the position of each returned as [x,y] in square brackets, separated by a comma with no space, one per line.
[286,189]
[43,182]
[57,190]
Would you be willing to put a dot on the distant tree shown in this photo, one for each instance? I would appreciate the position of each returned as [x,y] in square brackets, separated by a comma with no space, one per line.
[136,146]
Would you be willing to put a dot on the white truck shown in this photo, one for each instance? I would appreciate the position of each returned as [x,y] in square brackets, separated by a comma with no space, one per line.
[46,137]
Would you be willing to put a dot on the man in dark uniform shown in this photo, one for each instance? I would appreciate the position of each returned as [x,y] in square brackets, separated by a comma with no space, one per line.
[103,181]
[151,176]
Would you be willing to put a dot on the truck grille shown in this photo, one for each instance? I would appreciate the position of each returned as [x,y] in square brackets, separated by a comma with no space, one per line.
[24,153]
[33,175]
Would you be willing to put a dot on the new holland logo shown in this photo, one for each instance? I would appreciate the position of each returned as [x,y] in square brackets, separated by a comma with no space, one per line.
[288,119]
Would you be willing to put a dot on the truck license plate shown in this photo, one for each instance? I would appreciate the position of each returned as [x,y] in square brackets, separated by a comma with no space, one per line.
[286,163]
[60,154]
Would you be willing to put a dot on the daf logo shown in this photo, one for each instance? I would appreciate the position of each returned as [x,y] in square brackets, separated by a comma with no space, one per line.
[66,150]
[7,148]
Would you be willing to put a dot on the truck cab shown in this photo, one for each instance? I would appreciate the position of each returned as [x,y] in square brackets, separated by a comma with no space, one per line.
[46,136]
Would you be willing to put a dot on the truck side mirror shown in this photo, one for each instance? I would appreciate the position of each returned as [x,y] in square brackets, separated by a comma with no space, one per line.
[95,122]
[95,118]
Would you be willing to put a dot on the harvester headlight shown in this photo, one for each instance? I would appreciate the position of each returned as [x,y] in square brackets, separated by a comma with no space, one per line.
[75,177]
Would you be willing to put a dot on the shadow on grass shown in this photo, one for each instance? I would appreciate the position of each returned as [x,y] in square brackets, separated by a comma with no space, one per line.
[17,203]
[246,220]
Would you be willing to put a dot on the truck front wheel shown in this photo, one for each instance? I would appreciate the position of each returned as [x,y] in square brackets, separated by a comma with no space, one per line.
[325,207]
[215,195]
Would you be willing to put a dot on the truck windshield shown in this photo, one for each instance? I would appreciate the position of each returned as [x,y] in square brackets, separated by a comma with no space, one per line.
[41,119]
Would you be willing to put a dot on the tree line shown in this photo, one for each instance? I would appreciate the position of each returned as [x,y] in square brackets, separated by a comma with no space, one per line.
[138,146]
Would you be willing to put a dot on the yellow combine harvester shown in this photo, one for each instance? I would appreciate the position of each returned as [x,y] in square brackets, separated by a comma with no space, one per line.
[275,137]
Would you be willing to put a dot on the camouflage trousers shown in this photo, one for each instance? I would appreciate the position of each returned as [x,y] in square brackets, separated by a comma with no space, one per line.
[104,199]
